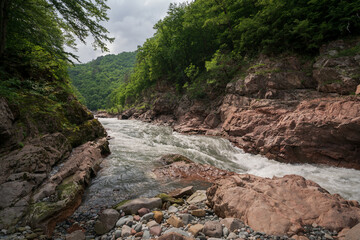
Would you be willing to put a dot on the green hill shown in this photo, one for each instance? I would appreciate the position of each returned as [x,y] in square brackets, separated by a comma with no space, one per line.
[95,80]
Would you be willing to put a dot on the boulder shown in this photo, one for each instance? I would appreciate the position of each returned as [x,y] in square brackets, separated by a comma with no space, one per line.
[281,205]
[132,207]
[213,229]
[106,221]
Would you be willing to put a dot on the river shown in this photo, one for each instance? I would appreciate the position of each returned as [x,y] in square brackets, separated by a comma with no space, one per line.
[136,148]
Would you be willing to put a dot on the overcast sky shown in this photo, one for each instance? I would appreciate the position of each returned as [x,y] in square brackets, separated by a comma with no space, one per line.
[131,23]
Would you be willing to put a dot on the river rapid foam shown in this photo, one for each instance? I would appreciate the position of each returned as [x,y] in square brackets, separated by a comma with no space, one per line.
[136,148]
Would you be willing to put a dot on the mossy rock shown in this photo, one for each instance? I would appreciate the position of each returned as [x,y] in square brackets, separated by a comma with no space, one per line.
[166,198]
[171,158]
[120,204]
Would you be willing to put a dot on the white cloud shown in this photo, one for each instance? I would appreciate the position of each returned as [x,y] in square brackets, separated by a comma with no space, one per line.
[131,23]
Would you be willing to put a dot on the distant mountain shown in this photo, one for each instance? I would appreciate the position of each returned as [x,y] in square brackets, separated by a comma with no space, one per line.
[95,80]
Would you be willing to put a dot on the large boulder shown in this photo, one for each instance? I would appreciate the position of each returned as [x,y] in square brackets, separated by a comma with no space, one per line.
[281,205]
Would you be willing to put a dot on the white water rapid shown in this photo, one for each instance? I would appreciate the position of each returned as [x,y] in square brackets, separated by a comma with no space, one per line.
[137,146]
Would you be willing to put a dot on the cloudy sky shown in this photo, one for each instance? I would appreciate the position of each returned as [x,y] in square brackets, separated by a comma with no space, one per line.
[131,23]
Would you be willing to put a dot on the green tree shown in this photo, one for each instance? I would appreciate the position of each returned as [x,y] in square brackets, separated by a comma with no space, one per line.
[51,24]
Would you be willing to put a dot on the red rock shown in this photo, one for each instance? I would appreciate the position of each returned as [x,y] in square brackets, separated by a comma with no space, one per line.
[155,230]
[181,192]
[133,232]
[353,233]
[143,211]
[137,218]
[280,205]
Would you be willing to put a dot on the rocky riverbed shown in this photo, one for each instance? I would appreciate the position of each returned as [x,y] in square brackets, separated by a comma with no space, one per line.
[215,213]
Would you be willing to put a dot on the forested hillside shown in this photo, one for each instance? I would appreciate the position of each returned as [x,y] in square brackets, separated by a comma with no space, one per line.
[203,44]
[95,80]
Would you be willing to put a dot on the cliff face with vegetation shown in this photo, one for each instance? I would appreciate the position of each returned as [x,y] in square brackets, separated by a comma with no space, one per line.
[50,144]
[42,133]
[287,108]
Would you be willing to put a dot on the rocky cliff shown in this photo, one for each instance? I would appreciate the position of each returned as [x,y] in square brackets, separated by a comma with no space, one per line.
[50,147]
[287,108]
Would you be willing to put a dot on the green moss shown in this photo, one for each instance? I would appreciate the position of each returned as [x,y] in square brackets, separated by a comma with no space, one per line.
[42,210]
[120,204]
[166,198]
[68,189]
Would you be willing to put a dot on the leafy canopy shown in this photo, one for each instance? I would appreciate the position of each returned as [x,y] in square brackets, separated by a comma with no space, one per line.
[51,24]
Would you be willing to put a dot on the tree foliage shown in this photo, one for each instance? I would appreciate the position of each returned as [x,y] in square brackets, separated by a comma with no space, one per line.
[51,24]
[95,80]
[213,36]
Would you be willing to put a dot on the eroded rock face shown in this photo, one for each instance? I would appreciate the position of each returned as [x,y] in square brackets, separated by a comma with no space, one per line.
[281,205]
[272,110]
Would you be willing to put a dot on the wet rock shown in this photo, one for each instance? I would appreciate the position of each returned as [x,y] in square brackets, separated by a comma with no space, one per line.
[269,204]
[197,197]
[133,206]
[77,235]
[158,216]
[198,213]
[179,193]
[106,221]
[195,229]
[353,233]
[213,229]
[175,222]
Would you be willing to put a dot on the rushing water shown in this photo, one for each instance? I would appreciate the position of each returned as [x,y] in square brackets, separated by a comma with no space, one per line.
[136,148]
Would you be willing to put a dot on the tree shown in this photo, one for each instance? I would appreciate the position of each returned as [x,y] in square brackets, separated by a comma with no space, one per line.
[51,24]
